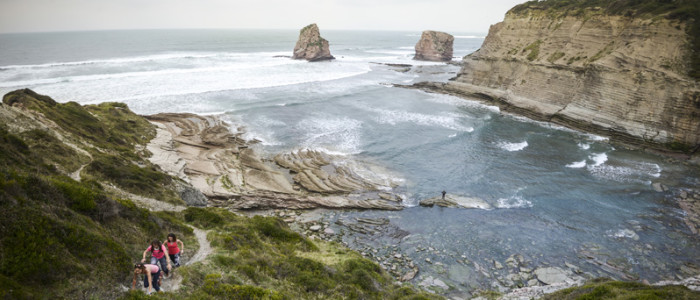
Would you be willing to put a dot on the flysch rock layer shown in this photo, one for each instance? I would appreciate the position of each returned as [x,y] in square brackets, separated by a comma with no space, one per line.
[434,46]
[615,76]
[311,46]
[203,151]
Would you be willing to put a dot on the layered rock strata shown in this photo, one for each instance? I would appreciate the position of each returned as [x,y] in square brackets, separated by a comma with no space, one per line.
[434,46]
[203,151]
[611,75]
[311,46]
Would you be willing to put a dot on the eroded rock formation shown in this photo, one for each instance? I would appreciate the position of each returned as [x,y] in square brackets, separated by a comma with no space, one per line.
[455,202]
[311,46]
[434,46]
[203,151]
[622,77]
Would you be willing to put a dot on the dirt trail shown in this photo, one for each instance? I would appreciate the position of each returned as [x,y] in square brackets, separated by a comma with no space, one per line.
[173,283]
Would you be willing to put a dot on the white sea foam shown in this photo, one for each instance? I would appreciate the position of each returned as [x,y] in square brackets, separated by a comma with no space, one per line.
[584,146]
[622,233]
[594,137]
[332,135]
[626,171]
[598,159]
[577,164]
[512,146]
[249,72]
[393,117]
[515,201]
[469,37]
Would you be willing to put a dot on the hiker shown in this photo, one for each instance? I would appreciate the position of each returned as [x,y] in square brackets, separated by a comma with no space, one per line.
[173,251]
[158,256]
[443,195]
[151,278]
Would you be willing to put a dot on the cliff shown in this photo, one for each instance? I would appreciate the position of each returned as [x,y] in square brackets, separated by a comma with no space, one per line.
[311,46]
[625,72]
[434,46]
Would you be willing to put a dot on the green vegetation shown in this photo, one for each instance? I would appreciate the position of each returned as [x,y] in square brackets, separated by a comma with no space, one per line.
[63,237]
[261,258]
[109,132]
[686,11]
[608,289]
[555,56]
[56,232]
[534,49]
[603,52]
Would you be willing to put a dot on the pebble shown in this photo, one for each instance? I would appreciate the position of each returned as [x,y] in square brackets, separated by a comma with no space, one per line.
[315,228]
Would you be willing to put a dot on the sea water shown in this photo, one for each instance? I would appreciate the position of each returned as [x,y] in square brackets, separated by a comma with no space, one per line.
[558,195]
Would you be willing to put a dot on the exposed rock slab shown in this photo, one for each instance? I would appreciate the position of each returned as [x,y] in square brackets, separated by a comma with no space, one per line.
[219,163]
[311,46]
[456,202]
[434,46]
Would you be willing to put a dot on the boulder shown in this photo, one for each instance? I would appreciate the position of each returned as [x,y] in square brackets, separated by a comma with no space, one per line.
[191,195]
[311,46]
[434,46]
[551,275]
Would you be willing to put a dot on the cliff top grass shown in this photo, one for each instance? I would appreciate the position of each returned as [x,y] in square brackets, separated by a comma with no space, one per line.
[687,11]
[109,132]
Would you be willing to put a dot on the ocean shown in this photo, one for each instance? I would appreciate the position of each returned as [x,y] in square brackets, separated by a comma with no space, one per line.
[559,197]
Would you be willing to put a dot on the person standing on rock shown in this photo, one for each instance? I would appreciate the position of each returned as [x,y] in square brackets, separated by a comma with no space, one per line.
[158,252]
[151,276]
[443,195]
[173,250]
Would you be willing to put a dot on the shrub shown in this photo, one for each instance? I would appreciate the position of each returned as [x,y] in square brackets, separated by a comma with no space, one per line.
[202,217]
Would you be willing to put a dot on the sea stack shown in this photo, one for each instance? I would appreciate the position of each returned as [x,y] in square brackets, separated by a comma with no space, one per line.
[311,46]
[434,46]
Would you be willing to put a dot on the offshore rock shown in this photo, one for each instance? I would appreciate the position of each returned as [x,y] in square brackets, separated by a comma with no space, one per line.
[621,77]
[455,202]
[434,46]
[311,46]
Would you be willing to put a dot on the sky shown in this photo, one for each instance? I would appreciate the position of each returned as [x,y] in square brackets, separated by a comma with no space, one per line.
[409,15]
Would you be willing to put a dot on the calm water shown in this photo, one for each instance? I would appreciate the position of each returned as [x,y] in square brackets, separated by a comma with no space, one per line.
[556,193]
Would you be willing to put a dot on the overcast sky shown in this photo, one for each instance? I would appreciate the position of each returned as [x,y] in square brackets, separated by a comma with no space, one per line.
[411,15]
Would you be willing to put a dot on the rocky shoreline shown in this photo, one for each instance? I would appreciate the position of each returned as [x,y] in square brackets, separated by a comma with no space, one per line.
[204,152]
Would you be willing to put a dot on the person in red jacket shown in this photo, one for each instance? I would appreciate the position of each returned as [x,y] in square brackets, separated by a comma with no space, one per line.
[171,242]
[158,252]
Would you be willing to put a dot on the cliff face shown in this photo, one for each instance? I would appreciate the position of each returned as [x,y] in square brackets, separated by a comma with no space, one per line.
[617,76]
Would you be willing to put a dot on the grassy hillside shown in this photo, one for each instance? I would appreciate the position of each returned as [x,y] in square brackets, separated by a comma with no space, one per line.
[686,11]
[60,237]
[261,258]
